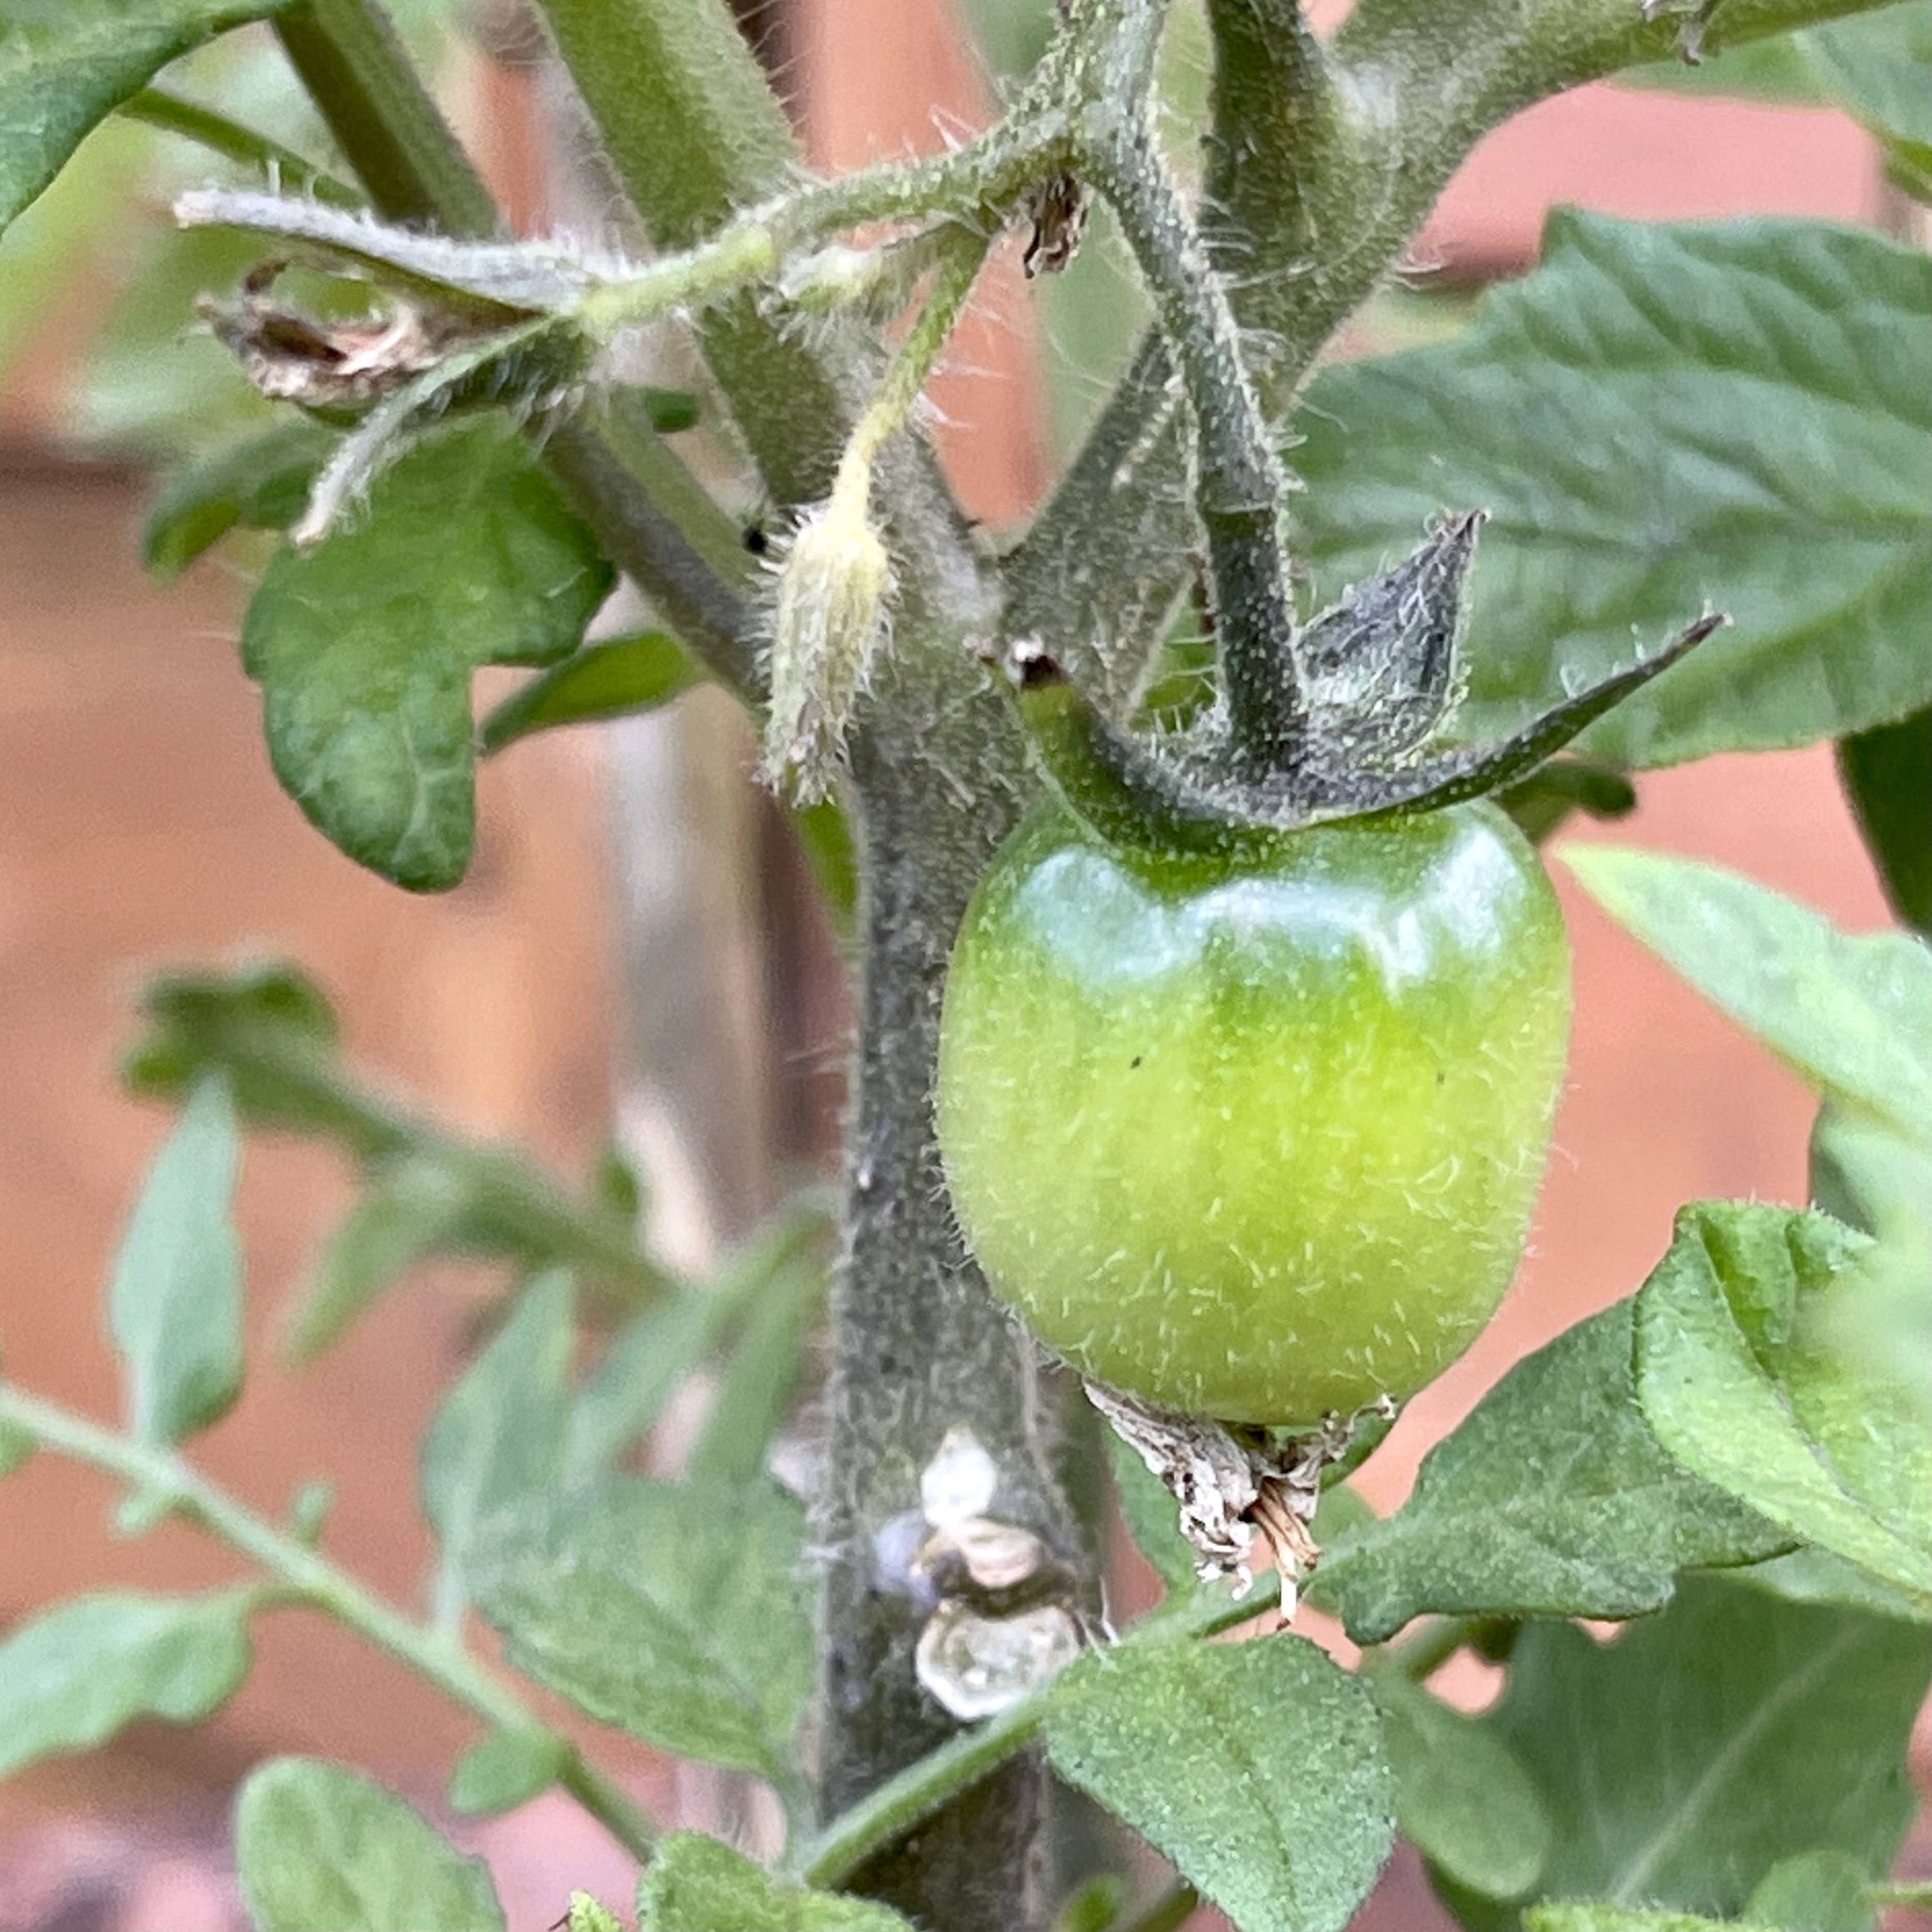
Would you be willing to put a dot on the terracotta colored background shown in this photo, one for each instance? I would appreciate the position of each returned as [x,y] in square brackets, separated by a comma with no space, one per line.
[139,824]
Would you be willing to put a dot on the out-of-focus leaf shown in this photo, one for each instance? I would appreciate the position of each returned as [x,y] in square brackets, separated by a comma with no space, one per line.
[1683,1761]
[638,1373]
[1554,1498]
[1297,1835]
[260,483]
[1743,1380]
[71,1677]
[826,839]
[1807,1575]
[505,1769]
[270,1030]
[677,1613]
[696,1884]
[67,65]
[1599,1915]
[498,1435]
[1887,775]
[1461,1797]
[1661,418]
[320,1850]
[175,1302]
[753,1395]
[412,1208]
[1852,1015]
[1818,1891]
[605,680]
[624,1396]
[364,645]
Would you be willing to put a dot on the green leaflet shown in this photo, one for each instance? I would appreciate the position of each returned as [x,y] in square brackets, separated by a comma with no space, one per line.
[259,483]
[1851,1015]
[174,1304]
[464,555]
[696,1884]
[674,1611]
[1663,419]
[606,679]
[322,1849]
[1462,1796]
[1552,1497]
[1256,1768]
[1683,1761]
[67,65]
[498,1435]
[1887,774]
[1743,1373]
[505,1769]
[72,1676]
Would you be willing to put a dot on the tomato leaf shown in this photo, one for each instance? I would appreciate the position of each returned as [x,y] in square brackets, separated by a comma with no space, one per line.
[754,1396]
[694,1884]
[637,1374]
[364,647]
[412,1207]
[1806,1575]
[1887,775]
[1461,1797]
[261,483]
[1744,1374]
[609,679]
[320,1850]
[65,65]
[1610,1915]
[675,1612]
[1852,1015]
[1152,1516]
[1256,1768]
[1682,1761]
[1817,1891]
[505,1769]
[71,1677]
[174,1305]
[1879,71]
[1554,1498]
[1663,419]
[498,1435]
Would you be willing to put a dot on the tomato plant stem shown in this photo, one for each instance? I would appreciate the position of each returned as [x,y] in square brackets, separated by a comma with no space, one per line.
[167,1482]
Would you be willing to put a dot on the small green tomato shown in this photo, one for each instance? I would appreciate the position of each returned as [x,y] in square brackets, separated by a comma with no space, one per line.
[1255,1138]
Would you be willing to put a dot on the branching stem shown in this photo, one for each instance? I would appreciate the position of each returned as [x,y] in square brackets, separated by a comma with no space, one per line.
[281,167]
[303,1575]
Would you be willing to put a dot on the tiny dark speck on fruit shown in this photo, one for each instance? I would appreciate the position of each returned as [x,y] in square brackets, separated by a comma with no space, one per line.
[1136,1061]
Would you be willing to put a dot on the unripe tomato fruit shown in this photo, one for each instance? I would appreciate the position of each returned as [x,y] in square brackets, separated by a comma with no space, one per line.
[1255,1138]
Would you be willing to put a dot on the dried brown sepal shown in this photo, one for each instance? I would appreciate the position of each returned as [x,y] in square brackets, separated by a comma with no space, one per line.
[325,364]
[1234,1485]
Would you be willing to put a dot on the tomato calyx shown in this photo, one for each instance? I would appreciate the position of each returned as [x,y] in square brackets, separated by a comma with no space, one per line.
[1379,676]
[1234,1485]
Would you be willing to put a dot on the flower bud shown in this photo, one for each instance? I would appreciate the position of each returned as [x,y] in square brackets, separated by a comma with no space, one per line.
[831,613]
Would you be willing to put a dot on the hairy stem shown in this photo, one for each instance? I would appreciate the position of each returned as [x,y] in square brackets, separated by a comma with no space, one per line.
[893,1808]
[1322,163]
[1238,481]
[307,1577]
[664,534]
[918,1345]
